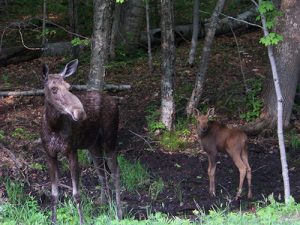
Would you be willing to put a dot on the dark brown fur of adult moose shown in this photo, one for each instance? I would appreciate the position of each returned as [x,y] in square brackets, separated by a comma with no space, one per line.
[86,121]
[216,137]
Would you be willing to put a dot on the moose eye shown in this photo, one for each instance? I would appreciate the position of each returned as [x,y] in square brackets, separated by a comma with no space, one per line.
[54,90]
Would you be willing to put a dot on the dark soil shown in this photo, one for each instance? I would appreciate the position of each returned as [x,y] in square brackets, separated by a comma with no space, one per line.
[183,171]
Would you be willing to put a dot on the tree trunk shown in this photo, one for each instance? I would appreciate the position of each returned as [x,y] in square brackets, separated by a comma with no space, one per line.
[133,13]
[148,37]
[73,18]
[44,22]
[168,62]
[115,30]
[287,56]
[195,32]
[201,74]
[284,165]
[100,43]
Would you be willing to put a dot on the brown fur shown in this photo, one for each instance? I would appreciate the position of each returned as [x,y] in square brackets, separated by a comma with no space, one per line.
[88,120]
[213,137]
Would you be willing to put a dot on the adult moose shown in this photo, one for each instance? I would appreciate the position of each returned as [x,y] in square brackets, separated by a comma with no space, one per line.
[213,137]
[86,121]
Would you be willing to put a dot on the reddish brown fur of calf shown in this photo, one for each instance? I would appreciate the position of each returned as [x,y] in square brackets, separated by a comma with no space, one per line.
[216,137]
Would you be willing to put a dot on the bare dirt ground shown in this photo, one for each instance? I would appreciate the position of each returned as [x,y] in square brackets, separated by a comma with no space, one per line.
[184,172]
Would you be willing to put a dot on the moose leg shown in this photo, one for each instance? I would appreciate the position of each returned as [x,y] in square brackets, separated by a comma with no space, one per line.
[242,169]
[115,174]
[74,169]
[211,173]
[249,175]
[99,163]
[53,172]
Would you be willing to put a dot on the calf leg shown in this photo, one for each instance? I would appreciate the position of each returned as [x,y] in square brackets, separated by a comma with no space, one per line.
[53,172]
[242,169]
[211,173]
[74,169]
[249,175]
[115,174]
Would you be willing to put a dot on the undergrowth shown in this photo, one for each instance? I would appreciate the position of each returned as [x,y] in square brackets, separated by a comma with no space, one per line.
[24,209]
[134,175]
[253,102]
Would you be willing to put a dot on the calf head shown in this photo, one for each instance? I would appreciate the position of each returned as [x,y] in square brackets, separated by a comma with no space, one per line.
[58,95]
[202,119]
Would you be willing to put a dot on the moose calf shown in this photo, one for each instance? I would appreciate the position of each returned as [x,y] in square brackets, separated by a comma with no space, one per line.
[86,121]
[213,137]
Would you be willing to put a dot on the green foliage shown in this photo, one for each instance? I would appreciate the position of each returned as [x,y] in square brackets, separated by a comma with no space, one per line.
[294,140]
[77,42]
[152,118]
[27,213]
[271,39]
[133,175]
[67,211]
[83,157]
[2,137]
[15,192]
[37,166]
[172,140]
[156,187]
[268,9]
[5,79]
[22,134]
[253,102]
[46,33]
[275,213]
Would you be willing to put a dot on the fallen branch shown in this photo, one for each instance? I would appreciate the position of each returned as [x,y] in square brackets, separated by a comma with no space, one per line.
[73,87]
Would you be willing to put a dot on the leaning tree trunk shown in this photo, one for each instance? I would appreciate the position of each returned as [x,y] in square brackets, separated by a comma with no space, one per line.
[100,43]
[287,56]
[201,74]
[73,18]
[195,32]
[168,61]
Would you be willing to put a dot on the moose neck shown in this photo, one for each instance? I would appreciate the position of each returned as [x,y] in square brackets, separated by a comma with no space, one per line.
[57,120]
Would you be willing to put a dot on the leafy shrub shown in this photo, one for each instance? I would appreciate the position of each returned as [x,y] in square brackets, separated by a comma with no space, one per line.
[152,118]
[253,102]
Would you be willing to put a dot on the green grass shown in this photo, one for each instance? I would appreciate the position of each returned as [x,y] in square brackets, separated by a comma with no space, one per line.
[172,140]
[294,140]
[156,187]
[133,175]
[25,210]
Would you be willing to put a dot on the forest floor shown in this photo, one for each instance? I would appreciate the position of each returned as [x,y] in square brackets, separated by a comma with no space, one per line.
[184,170]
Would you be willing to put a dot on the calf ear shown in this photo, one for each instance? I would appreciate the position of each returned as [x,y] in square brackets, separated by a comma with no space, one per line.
[70,68]
[210,112]
[45,71]
[196,112]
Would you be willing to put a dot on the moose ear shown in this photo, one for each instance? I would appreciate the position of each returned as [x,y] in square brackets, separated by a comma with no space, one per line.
[70,68]
[45,71]
[210,112]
